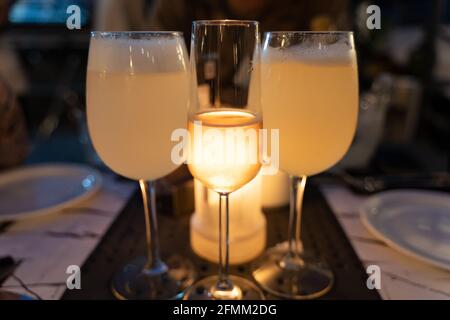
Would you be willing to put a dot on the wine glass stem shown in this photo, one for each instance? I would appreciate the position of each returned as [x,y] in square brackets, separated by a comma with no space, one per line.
[154,263]
[295,216]
[224,282]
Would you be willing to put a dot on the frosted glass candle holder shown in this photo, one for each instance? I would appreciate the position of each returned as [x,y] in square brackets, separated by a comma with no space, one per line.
[247,223]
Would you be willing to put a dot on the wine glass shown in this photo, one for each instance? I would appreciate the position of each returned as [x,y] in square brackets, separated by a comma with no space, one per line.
[309,93]
[224,123]
[137,93]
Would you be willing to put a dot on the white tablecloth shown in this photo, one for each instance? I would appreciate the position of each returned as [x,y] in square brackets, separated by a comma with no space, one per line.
[47,246]
[402,277]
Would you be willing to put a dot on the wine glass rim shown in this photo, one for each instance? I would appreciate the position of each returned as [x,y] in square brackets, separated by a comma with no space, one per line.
[227,22]
[96,34]
[310,32]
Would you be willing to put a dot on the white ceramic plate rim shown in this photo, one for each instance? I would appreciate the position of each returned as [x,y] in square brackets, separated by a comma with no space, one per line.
[371,202]
[31,170]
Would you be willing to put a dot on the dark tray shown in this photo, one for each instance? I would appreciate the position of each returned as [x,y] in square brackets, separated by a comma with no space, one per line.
[321,233]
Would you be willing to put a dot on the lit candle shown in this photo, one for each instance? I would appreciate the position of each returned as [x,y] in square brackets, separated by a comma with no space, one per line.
[247,223]
[275,190]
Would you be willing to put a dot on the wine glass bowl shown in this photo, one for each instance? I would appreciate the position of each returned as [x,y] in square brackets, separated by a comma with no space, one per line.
[220,167]
[310,93]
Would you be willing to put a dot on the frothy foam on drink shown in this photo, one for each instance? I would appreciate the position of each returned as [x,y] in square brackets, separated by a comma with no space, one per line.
[338,52]
[137,55]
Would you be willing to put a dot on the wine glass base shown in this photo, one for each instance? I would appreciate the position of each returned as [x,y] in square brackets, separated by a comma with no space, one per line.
[292,279]
[133,282]
[243,290]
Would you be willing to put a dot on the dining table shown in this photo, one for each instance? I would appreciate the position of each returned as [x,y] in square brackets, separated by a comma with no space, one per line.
[106,230]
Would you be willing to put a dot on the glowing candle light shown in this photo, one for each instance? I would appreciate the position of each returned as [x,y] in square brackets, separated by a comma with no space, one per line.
[247,223]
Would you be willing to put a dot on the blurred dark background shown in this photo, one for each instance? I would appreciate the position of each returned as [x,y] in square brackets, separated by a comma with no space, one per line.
[407,61]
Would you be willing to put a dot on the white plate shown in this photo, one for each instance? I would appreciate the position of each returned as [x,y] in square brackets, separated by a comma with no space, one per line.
[43,189]
[416,223]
